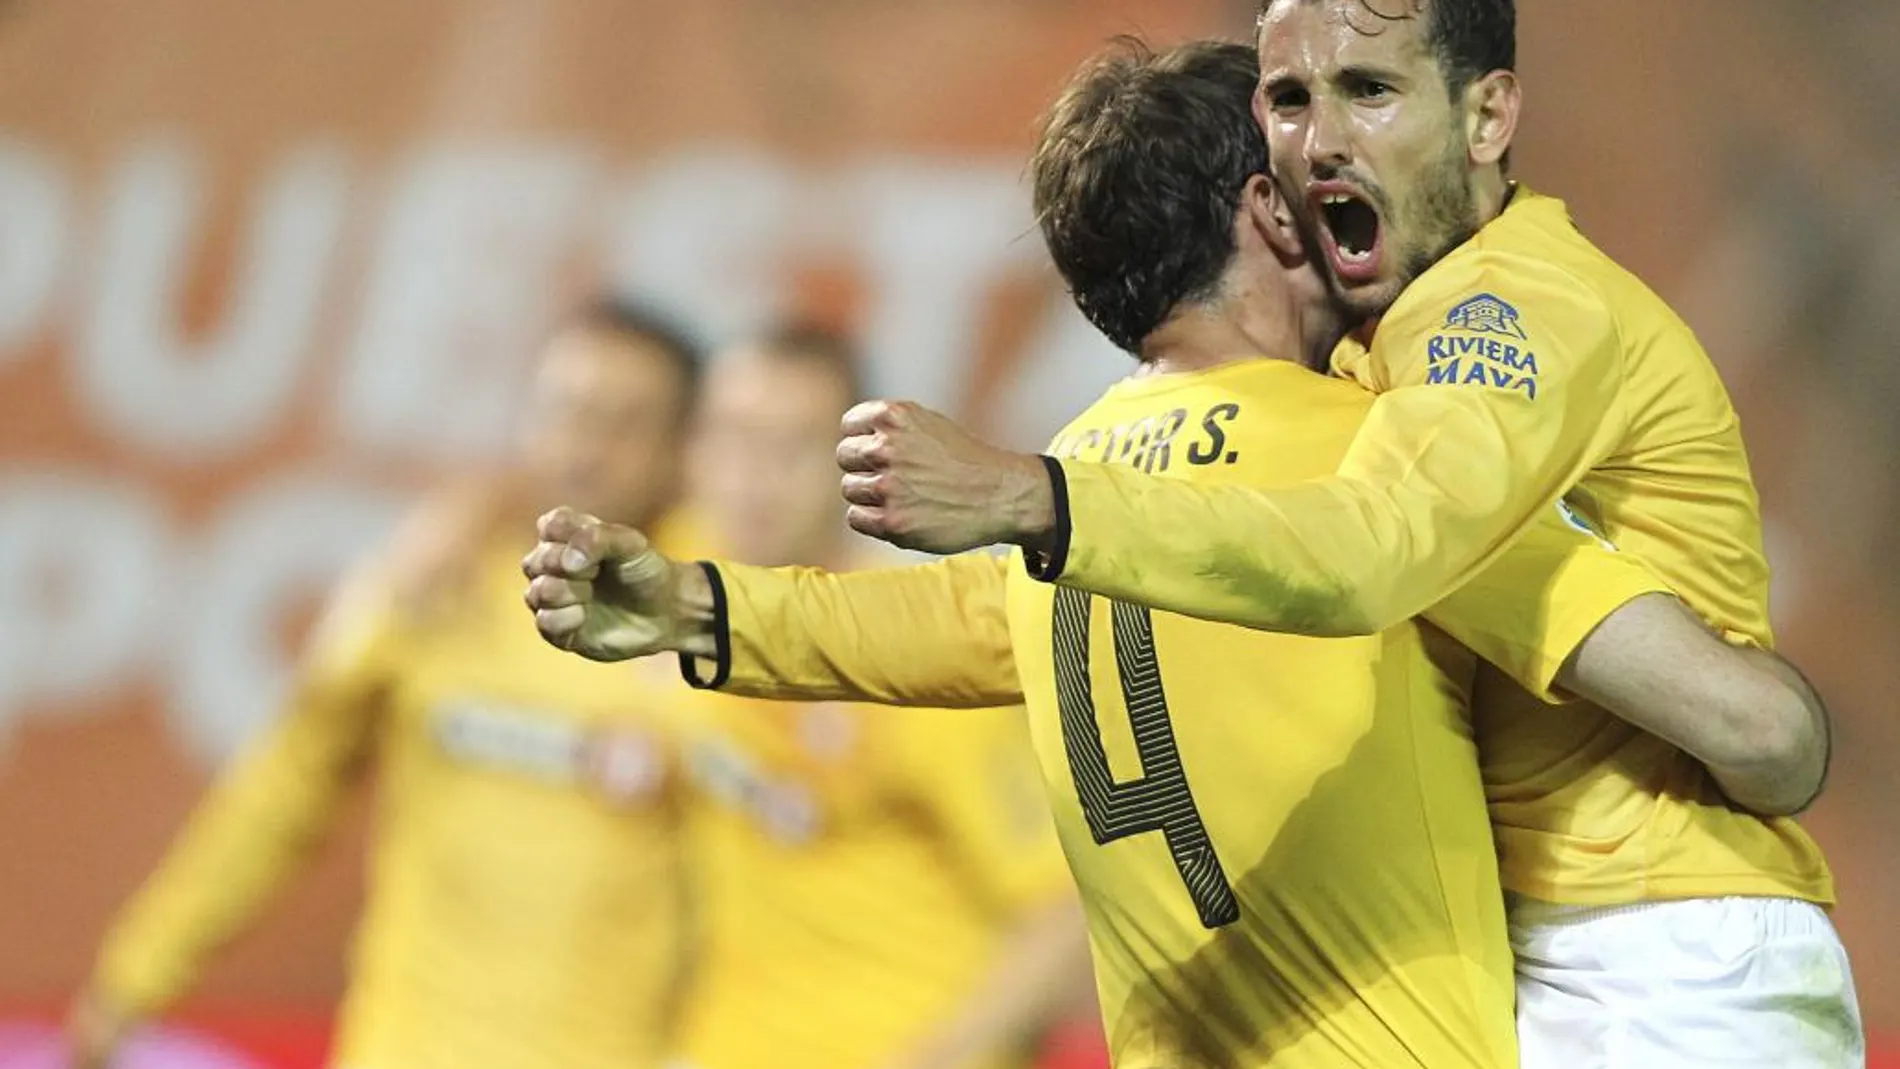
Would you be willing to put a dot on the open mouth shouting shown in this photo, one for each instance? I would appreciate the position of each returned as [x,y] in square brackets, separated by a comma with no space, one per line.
[1351,232]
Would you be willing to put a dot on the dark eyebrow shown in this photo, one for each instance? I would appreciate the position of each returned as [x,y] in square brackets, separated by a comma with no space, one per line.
[1360,72]
[1279,80]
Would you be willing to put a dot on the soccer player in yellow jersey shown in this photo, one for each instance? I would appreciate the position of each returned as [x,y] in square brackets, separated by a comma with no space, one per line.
[523,906]
[1517,365]
[873,888]
[1281,842]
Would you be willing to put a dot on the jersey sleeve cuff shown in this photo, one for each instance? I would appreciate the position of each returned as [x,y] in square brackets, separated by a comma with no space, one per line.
[1047,566]
[692,669]
[1569,630]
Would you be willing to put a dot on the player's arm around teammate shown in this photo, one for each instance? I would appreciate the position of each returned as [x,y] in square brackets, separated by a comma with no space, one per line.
[1746,714]
[1754,722]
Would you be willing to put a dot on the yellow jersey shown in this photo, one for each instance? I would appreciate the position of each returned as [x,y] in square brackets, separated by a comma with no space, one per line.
[1281,842]
[523,907]
[857,873]
[1524,367]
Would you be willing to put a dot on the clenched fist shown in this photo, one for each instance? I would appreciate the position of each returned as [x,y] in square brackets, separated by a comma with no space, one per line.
[599,590]
[915,479]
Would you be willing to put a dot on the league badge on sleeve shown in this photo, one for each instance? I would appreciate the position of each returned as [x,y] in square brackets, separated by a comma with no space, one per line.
[1480,345]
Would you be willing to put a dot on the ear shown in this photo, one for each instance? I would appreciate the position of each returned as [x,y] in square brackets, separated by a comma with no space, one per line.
[1492,105]
[1268,212]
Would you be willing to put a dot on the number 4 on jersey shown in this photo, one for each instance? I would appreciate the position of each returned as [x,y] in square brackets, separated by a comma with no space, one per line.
[1158,801]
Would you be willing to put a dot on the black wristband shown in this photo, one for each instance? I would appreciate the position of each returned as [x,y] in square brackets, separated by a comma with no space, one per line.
[722,639]
[1048,567]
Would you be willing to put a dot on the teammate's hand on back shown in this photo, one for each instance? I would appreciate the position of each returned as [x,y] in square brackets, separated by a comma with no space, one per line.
[915,479]
[599,590]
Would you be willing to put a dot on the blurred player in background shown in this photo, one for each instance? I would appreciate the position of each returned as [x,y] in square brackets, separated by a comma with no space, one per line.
[524,904]
[877,889]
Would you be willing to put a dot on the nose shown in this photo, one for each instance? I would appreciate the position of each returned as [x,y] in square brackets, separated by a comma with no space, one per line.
[1328,143]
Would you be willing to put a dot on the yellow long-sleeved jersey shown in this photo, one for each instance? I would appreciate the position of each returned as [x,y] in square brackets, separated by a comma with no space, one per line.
[859,873]
[1523,368]
[1281,842]
[522,908]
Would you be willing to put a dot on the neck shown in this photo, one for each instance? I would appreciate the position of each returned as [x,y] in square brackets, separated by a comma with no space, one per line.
[1492,193]
[1246,322]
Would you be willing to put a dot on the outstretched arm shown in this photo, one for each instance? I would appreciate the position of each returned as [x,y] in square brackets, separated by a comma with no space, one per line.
[932,635]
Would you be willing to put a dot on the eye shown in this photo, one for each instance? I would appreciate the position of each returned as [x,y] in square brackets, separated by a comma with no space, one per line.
[1287,98]
[1372,90]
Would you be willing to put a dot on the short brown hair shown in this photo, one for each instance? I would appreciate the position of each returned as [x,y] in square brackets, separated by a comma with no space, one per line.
[1137,176]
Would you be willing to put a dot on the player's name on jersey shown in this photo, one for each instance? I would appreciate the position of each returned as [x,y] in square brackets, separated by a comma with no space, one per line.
[1153,442]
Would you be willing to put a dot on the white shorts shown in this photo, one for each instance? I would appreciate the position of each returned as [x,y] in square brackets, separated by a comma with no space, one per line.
[1722,983]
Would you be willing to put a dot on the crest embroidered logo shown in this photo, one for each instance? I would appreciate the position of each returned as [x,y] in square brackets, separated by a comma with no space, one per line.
[1485,314]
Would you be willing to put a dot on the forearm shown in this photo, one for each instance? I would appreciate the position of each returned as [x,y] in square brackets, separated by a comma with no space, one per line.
[934,635]
[1039,973]
[1783,749]
[1436,484]
[1331,558]
[1223,553]
[1751,719]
